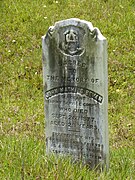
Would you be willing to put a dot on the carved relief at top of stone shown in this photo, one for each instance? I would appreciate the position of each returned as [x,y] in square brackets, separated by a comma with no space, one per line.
[70,42]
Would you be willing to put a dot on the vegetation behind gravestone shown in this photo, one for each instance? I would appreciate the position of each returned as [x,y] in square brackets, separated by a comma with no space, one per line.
[22,139]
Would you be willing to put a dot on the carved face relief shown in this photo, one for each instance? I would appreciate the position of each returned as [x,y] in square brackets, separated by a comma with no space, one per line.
[71,42]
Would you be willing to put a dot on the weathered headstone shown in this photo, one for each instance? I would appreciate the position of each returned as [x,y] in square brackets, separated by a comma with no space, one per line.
[75,92]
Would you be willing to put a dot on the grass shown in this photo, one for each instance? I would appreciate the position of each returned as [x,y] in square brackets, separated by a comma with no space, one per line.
[22,141]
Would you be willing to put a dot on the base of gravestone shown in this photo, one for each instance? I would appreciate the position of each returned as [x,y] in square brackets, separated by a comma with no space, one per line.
[60,158]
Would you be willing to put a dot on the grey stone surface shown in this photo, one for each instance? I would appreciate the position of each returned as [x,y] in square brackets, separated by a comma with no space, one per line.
[75,92]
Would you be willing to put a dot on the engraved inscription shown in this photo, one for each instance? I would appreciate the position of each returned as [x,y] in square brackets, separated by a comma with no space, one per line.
[74,89]
[71,79]
[60,142]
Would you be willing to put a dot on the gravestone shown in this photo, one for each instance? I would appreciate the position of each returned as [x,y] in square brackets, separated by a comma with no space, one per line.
[75,92]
